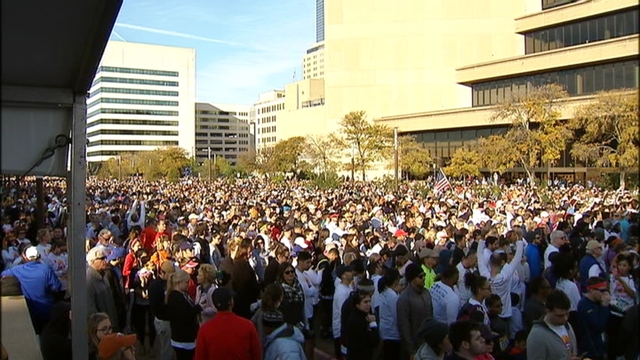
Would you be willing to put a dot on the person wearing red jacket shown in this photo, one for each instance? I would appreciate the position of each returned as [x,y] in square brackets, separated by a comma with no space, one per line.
[227,335]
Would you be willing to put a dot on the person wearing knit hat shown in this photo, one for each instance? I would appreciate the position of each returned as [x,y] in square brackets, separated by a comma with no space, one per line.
[435,337]
[413,308]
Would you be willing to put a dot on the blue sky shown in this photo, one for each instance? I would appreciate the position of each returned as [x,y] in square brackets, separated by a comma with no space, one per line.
[243,47]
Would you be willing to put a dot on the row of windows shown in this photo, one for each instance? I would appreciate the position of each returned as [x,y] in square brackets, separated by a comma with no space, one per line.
[267,119]
[578,82]
[134,81]
[133,112]
[581,32]
[228,113]
[137,71]
[218,120]
[219,150]
[272,108]
[223,127]
[229,135]
[270,139]
[106,153]
[313,103]
[221,142]
[133,122]
[133,102]
[132,132]
[135,142]
[548,4]
[132,91]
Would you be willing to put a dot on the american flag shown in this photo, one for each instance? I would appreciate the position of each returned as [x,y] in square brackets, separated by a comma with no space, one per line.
[442,183]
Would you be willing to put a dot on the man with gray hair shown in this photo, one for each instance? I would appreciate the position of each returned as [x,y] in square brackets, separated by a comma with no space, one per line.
[105,239]
[557,239]
[99,295]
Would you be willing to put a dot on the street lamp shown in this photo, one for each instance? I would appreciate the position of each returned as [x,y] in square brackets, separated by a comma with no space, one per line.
[209,156]
[353,162]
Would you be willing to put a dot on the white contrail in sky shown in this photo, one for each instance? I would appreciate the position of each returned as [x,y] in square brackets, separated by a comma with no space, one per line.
[177,34]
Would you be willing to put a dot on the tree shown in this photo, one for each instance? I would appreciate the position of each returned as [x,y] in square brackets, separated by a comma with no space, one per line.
[321,151]
[247,162]
[608,129]
[366,140]
[536,130]
[464,162]
[287,155]
[413,157]
[495,153]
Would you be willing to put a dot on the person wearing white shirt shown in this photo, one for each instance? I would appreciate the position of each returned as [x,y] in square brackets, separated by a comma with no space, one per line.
[500,274]
[467,265]
[491,245]
[446,302]
[58,260]
[557,239]
[309,281]
[341,294]
[44,238]
[388,314]
[564,269]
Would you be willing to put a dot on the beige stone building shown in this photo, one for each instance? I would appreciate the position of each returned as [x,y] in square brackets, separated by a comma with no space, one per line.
[222,131]
[313,62]
[265,116]
[433,69]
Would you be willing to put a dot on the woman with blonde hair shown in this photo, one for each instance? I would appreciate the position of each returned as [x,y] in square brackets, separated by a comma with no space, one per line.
[183,315]
[102,342]
[206,285]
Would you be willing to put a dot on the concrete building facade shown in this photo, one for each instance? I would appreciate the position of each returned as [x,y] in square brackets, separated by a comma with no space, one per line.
[434,69]
[313,62]
[142,98]
[222,131]
[268,109]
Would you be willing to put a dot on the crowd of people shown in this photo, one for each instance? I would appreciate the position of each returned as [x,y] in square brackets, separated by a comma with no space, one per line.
[253,269]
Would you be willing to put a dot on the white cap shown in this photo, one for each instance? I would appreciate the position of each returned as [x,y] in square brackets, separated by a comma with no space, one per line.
[192,216]
[31,253]
[544,214]
[300,242]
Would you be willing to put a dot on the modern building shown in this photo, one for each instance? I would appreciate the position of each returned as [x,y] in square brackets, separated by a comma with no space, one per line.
[313,62]
[267,112]
[434,69]
[222,131]
[142,98]
[319,20]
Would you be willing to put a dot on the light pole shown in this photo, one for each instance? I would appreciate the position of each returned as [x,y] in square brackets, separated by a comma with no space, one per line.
[353,163]
[395,155]
[119,167]
[209,156]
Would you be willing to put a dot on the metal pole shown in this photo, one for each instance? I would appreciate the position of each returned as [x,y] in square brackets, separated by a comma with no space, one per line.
[395,155]
[77,264]
[40,202]
[215,159]
[209,162]
[353,163]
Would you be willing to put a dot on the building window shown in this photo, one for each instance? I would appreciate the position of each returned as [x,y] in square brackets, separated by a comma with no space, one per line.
[132,91]
[133,81]
[134,142]
[132,132]
[137,71]
[133,122]
[132,112]
[133,102]
[578,81]
[548,4]
[583,31]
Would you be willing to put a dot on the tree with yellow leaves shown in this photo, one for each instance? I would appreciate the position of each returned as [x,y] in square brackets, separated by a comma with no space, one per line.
[607,131]
[495,153]
[413,157]
[464,162]
[537,132]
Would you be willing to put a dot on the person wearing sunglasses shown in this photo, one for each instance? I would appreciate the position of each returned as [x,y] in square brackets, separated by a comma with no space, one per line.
[99,295]
[593,314]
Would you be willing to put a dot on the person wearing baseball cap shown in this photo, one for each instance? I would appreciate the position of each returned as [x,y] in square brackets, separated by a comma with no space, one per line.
[227,335]
[39,283]
[429,260]
[593,315]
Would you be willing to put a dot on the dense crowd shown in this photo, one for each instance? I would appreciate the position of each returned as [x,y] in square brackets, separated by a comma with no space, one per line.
[252,269]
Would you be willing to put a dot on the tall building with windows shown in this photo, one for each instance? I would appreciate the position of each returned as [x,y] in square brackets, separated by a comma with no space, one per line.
[267,111]
[142,98]
[313,62]
[319,20]
[435,69]
[222,131]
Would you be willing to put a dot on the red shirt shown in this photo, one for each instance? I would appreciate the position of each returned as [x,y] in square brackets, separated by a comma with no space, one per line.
[148,237]
[228,336]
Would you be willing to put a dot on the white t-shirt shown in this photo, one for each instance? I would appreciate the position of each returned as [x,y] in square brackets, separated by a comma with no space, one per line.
[550,249]
[619,298]
[446,303]
[339,297]
[562,332]
[571,289]
[463,291]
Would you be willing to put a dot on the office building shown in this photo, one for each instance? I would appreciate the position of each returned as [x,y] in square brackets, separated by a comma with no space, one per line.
[267,111]
[142,98]
[313,62]
[319,20]
[434,69]
[222,131]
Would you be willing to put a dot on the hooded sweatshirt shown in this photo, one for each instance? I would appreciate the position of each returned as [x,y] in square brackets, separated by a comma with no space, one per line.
[284,343]
[543,343]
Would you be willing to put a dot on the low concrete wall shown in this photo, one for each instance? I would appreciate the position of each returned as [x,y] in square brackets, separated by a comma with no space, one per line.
[18,336]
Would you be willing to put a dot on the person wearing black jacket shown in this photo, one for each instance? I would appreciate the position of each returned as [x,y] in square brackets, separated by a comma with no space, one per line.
[365,286]
[327,288]
[362,329]
[55,339]
[183,316]
[158,308]
[244,281]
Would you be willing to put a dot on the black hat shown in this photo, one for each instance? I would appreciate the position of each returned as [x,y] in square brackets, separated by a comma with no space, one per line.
[433,329]
[412,271]
[222,298]
[272,318]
